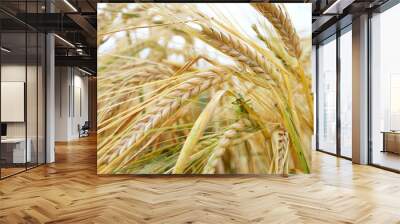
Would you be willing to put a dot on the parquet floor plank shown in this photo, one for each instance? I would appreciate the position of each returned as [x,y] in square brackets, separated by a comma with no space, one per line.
[69,191]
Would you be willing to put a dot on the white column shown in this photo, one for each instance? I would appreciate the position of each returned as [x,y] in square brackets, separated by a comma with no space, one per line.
[360,90]
[50,92]
[50,99]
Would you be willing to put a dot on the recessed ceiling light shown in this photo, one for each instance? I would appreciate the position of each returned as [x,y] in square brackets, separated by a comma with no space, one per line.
[84,71]
[64,40]
[70,5]
[5,50]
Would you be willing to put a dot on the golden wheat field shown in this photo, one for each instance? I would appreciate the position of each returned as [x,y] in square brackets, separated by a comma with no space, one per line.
[203,89]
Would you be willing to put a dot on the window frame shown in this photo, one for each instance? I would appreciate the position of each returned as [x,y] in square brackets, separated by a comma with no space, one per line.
[334,37]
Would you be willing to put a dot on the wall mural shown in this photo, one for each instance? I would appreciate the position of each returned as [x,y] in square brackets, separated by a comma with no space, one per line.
[204,88]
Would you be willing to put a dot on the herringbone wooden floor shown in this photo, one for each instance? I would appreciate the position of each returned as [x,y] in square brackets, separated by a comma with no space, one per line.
[69,191]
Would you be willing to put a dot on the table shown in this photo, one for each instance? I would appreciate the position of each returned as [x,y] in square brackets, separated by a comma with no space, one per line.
[391,141]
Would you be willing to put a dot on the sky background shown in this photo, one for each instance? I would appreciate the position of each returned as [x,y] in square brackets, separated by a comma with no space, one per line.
[241,14]
[245,15]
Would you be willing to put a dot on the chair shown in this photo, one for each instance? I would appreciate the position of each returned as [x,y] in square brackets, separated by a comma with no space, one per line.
[84,130]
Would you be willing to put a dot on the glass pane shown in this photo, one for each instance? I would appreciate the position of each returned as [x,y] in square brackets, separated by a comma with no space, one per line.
[346,94]
[386,89]
[327,97]
[22,89]
[31,100]
[32,87]
[13,86]
[41,98]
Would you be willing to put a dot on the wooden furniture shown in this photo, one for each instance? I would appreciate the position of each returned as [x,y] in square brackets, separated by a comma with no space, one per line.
[391,141]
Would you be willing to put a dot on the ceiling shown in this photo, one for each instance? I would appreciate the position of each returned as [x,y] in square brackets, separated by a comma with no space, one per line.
[332,15]
[75,22]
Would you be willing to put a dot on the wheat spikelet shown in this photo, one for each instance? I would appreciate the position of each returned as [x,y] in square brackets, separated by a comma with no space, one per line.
[131,70]
[225,142]
[146,76]
[205,143]
[283,26]
[280,147]
[122,86]
[279,51]
[240,51]
[169,105]
[121,95]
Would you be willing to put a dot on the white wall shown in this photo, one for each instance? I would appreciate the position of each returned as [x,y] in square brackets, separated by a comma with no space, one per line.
[61,103]
[70,83]
[80,85]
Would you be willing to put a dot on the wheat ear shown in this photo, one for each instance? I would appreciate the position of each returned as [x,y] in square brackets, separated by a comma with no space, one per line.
[225,142]
[240,51]
[167,106]
[174,100]
[280,146]
[283,25]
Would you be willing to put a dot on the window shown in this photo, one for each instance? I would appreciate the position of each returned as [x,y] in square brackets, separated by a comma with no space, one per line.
[346,93]
[327,96]
[385,89]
